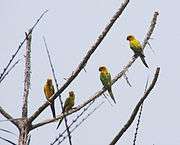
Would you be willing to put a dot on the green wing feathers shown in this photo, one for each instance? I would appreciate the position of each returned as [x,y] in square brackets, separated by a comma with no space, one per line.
[136,46]
[69,103]
[106,81]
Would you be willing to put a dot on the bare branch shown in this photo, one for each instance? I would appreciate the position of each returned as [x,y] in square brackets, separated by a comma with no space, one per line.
[47,121]
[127,80]
[27,74]
[84,119]
[8,71]
[151,29]
[21,44]
[139,116]
[15,119]
[137,126]
[8,116]
[7,140]
[61,102]
[7,131]
[135,111]
[99,93]
[85,59]
[74,120]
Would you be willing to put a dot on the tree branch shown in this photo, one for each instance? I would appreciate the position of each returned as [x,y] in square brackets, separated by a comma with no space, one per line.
[27,74]
[10,69]
[151,29]
[61,102]
[99,93]
[85,59]
[76,126]
[135,111]
[47,121]
[9,117]
[21,44]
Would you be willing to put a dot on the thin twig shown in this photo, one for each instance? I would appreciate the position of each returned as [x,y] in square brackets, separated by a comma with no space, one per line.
[61,102]
[8,71]
[151,48]
[84,119]
[7,131]
[85,59]
[151,29]
[137,126]
[107,99]
[127,80]
[74,120]
[21,44]
[47,121]
[139,116]
[135,111]
[7,140]
[27,75]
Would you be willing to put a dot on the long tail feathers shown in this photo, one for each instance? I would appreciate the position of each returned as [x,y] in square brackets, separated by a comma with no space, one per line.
[60,121]
[111,95]
[53,109]
[143,60]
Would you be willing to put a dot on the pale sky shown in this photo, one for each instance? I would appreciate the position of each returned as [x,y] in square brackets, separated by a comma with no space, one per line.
[70,28]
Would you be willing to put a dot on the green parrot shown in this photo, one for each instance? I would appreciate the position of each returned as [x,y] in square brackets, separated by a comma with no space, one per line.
[105,78]
[136,46]
[69,103]
[49,92]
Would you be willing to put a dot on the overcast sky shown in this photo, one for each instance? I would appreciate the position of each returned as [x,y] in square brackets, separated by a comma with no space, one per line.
[70,28]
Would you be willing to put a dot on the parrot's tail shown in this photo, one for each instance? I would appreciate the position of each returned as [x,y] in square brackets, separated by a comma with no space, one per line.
[53,110]
[111,95]
[60,121]
[143,60]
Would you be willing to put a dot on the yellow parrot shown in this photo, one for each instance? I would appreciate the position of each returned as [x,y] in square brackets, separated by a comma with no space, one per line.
[105,78]
[69,103]
[136,46]
[49,92]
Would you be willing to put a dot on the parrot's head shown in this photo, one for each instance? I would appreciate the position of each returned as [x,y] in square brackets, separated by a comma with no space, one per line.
[49,81]
[130,37]
[102,69]
[71,93]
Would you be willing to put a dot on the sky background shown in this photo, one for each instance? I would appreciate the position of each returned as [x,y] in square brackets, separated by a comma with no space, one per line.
[70,28]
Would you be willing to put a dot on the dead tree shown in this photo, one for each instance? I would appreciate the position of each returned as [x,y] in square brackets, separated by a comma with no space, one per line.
[25,123]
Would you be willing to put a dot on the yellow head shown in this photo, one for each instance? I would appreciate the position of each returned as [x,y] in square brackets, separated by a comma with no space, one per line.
[49,81]
[103,69]
[130,37]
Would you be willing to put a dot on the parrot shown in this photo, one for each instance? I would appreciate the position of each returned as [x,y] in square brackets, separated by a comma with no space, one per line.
[69,103]
[49,92]
[136,46]
[105,78]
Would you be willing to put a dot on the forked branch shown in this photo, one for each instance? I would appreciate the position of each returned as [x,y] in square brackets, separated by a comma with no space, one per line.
[85,59]
[135,111]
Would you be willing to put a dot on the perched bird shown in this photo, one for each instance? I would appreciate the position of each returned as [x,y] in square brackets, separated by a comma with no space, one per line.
[49,92]
[136,46]
[105,78]
[69,103]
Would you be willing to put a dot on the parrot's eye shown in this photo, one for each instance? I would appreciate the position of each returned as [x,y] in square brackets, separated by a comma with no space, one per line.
[129,37]
[100,69]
